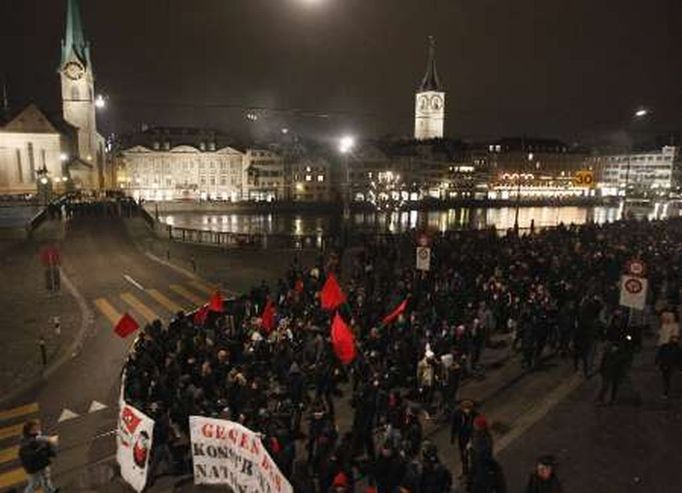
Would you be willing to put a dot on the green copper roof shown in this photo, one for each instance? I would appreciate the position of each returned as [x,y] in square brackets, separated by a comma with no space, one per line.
[74,38]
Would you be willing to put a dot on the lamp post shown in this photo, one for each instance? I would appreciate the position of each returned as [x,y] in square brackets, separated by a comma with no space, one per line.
[637,115]
[518,196]
[346,145]
[44,185]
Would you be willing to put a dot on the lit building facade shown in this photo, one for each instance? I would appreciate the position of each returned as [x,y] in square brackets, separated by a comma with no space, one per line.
[169,163]
[656,172]
[429,111]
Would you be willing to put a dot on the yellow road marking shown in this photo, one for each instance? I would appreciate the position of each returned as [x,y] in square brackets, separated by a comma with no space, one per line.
[19,411]
[164,300]
[10,431]
[12,478]
[139,307]
[187,294]
[9,454]
[108,310]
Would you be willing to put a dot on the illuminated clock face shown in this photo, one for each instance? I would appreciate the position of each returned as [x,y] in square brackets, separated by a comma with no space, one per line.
[436,102]
[423,103]
[73,70]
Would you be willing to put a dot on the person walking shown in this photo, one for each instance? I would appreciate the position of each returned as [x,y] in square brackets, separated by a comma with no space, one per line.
[669,327]
[36,453]
[613,369]
[668,359]
[462,428]
[544,478]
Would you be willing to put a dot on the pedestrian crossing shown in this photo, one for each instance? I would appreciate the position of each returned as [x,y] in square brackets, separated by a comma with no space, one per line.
[147,305]
[12,420]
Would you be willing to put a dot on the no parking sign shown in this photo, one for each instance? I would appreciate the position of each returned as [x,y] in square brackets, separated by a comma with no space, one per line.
[633,292]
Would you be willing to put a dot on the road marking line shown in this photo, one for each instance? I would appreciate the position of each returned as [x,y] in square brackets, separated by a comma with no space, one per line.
[133,282]
[9,454]
[203,287]
[140,307]
[12,478]
[66,415]
[107,310]
[11,431]
[187,294]
[538,412]
[96,406]
[164,301]
[17,412]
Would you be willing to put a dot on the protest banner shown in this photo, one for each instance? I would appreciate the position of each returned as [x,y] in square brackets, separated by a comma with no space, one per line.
[225,452]
[133,445]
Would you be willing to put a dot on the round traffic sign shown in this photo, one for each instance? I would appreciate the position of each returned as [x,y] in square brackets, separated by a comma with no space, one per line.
[636,267]
[633,286]
[423,253]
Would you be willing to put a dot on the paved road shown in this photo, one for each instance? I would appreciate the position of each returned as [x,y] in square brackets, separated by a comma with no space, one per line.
[112,277]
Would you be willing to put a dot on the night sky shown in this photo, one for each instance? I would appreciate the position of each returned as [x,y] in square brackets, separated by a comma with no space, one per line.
[554,68]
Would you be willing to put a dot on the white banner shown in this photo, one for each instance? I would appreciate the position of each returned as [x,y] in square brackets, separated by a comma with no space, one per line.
[423,258]
[133,445]
[633,292]
[224,452]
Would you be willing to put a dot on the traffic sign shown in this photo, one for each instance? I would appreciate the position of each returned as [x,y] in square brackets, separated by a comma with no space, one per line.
[633,292]
[583,178]
[423,258]
[635,267]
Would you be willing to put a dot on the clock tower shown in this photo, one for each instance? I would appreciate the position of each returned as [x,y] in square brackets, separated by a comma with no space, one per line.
[429,113]
[78,91]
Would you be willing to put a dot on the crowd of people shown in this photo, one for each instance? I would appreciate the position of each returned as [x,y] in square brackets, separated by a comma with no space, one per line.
[555,290]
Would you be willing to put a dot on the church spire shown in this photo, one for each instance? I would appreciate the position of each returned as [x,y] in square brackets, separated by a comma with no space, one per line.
[431,81]
[74,42]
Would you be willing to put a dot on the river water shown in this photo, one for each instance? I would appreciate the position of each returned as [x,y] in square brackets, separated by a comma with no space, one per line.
[395,222]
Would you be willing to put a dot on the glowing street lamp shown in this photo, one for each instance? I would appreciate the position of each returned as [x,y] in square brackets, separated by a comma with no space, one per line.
[100,102]
[346,145]
[641,113]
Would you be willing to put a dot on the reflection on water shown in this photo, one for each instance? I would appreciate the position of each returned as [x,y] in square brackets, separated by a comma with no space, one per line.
[396,222]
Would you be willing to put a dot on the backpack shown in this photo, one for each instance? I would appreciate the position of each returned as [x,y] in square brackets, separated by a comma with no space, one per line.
[35,455]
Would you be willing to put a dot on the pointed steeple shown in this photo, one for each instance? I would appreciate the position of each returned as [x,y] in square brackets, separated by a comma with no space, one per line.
[74,42]
[431,81]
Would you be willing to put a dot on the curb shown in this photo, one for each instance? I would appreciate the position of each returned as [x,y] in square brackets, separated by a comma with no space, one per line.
[87,319]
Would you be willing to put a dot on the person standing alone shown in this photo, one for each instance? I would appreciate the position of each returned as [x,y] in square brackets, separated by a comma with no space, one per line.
[36,453]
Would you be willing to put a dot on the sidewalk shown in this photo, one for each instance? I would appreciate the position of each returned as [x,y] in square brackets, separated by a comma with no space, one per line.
[28,312]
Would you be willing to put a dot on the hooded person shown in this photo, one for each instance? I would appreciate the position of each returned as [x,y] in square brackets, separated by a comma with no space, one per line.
[544,479]
[462,427]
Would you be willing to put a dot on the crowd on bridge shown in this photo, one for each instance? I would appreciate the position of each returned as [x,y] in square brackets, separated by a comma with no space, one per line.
[553,291]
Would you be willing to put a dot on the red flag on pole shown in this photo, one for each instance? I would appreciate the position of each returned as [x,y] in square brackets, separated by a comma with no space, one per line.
[395,313]
[201,315]
[126,326]
[331,295]
[268,316]
[343,340]
[215,304]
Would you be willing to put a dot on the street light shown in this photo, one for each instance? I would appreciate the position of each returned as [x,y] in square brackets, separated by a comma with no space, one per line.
[639,114]
[100,102]
[346,145]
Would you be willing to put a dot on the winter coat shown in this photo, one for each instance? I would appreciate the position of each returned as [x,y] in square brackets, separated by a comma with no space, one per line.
[537,485]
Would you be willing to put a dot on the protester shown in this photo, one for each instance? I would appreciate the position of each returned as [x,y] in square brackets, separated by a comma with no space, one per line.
[669,359]
[36,453]
[544,478]
[270,360]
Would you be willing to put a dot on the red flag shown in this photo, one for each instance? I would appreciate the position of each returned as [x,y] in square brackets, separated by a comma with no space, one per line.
[126,326]
[268,316]
[201,315]
[299,286]
[343,340]
[331,295]
[395,313]
[215,304]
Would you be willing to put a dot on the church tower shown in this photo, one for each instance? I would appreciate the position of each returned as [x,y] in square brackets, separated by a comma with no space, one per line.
[78,91]
[429,113]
